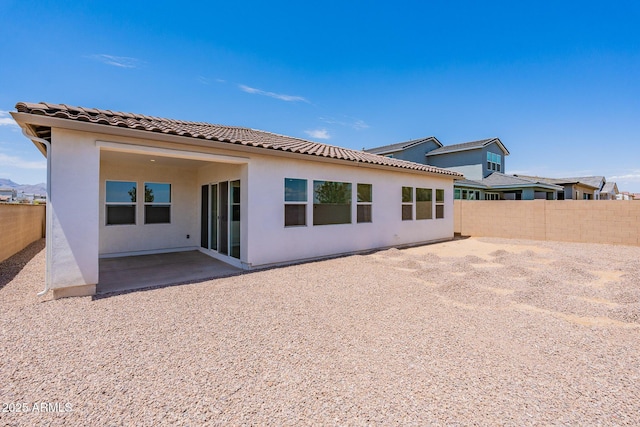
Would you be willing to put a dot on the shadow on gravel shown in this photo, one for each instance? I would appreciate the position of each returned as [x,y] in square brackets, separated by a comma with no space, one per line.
[10,267]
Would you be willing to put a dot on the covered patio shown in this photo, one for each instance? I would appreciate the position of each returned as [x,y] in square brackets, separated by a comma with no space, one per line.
[145,271]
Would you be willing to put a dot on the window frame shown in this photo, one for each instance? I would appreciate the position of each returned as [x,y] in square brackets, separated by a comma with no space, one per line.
[296,202]
[319,204]
[408,203]
[364,204]
[439,203]
[107,203]
[153,204]
[429,200]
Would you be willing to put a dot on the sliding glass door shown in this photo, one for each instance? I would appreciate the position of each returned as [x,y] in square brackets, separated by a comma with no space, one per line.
[220,218]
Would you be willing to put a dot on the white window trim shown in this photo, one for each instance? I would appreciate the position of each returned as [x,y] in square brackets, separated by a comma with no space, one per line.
[170,204]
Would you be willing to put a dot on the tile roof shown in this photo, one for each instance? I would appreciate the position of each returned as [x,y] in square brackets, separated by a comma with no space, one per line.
[498,179]
[467,146]
[470,183]
[609,187]
[593,181]
[227,134]
[590,181]
[402,145]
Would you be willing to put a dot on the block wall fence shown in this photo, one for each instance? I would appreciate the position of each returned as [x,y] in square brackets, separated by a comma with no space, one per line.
[20,225]
[585,221]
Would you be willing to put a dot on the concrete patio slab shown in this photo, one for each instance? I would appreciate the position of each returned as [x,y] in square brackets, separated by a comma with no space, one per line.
[144,271]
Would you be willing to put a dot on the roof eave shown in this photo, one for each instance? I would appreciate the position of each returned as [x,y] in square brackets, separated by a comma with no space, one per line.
[26,120]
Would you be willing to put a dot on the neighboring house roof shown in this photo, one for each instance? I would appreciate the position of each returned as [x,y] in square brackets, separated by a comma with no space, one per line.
[610,187]
[473,145]
[393,148]
[470,183]
[500,180]
[226,134]
[586,181]
[592,181]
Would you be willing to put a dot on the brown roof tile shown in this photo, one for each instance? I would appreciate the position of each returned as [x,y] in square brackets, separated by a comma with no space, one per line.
[228,134]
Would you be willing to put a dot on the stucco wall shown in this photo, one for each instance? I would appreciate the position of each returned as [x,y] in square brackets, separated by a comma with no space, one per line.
[269,241]
[75,166]
[588,221]
[139,237]
[20,225]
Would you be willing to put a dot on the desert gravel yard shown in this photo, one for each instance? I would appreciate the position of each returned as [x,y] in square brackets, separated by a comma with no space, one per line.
[468,332]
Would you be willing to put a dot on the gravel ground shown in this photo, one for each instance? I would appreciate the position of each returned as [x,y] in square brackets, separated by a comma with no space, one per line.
[468,332]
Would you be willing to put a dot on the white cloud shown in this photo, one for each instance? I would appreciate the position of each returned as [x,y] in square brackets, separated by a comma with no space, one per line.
[282,97]
[207,81]
[634,176]
[6,119]
[318,133]
[117,61]
[17,162]
[351,122]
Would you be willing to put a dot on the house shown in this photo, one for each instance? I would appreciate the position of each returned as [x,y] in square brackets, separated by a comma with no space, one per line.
[124,184]
[572,188]
[481,162]
[609,191]
[8,194]
[476,160]
[414,150]
[499,186]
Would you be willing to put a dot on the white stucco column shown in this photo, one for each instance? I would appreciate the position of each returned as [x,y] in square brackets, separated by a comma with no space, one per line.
[75,173]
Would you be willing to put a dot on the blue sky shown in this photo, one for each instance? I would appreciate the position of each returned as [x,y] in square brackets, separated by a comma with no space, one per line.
[557,82]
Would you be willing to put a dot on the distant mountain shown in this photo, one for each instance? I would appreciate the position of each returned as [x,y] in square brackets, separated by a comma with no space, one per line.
[37,189]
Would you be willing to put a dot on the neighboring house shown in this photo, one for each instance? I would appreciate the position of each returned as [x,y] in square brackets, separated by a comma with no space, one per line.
[126,184]
[413,151]
[572,188]
[609,191]
[8,194]
[475,160]
[499,186]
[483,165]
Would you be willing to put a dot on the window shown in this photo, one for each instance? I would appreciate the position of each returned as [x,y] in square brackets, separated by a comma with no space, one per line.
[331,202]
[121,198]
[494,161]
[470,195]
[439,204]
[456,194]
[492,196]
[295,202]
[365,194]
[424,203]
[234,229]
[157,203]
[407,203]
